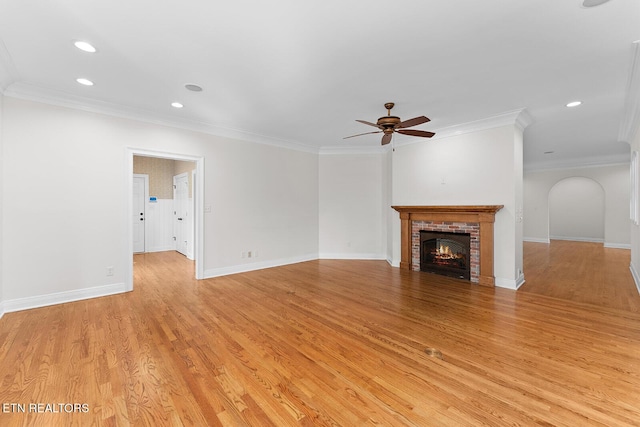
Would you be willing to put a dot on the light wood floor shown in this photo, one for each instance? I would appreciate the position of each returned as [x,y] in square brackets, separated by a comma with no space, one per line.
[581,272]
[321,343]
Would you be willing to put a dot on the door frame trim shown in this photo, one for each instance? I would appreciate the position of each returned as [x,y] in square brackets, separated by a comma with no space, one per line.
[191,230]
[146,201]
[198,197]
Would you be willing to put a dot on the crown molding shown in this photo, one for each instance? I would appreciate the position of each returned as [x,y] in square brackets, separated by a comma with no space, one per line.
[519,118]
[631,117]
[523,119]
[594,162]
[63,99]
[7,69]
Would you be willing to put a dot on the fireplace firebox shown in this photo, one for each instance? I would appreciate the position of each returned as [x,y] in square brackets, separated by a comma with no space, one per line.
[446,253]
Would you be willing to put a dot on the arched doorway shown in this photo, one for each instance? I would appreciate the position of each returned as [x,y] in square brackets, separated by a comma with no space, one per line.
[576,210]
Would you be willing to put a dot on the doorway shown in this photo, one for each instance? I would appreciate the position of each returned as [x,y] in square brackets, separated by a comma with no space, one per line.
[196,218]
[577,210]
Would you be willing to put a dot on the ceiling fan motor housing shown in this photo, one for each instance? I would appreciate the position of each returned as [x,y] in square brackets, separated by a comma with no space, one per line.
[388,122]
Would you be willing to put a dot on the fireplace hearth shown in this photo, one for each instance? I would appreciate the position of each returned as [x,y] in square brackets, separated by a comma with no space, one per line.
[446,253]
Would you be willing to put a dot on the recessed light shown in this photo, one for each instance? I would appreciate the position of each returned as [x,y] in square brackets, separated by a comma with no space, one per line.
[193,88]
[84,46]
[593,3]
[176,105]
[85,82]
[574,104]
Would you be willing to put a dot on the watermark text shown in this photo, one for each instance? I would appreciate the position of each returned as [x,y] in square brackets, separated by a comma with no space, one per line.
[41,408]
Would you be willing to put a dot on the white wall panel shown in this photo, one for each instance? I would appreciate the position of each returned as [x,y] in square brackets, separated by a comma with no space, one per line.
[190,226]
[160,226]
[68,213]
[1,210]
[635,231]
[352,194]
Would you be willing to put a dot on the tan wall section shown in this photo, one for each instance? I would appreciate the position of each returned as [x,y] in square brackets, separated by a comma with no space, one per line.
[161,173]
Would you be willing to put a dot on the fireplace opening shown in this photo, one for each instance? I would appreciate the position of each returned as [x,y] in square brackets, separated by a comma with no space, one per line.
[446,253]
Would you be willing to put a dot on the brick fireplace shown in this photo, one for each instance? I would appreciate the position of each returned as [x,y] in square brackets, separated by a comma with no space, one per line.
[477,221]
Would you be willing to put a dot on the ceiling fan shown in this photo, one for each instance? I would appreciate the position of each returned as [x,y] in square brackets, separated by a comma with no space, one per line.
[389,124]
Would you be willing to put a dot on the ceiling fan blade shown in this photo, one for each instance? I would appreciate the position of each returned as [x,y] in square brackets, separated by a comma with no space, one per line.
[369,123]
[413,122]
[412,132]
[360,134]
[386,138]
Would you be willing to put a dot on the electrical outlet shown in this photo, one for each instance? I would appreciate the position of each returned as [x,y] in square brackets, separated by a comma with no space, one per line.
[243,254]
[255,254]
[249,254]
[110,271]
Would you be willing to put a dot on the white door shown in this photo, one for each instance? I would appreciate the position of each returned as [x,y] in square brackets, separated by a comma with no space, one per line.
[140,183]
[181,213]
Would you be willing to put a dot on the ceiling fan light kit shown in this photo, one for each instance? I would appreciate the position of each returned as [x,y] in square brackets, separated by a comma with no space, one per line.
[389,124]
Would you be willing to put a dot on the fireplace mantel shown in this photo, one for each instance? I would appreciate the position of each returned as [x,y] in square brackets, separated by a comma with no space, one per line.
[483,215]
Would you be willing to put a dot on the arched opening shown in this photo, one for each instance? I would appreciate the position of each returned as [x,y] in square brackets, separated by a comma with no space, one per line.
[576,210]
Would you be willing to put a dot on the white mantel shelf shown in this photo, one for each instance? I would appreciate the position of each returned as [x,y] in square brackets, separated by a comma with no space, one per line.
[484,215]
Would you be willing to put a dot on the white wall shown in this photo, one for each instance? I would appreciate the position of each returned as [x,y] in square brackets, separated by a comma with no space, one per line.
[614,179]
[635,230]
[353,206]
[478,168]
[263,199]
[68,208]
[1,199]
[390,214]
[159,217]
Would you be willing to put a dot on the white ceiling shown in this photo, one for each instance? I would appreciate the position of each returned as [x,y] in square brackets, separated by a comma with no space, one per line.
[301,72]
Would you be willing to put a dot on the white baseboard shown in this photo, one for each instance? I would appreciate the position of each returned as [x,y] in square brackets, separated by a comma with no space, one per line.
[536,240]
[636,276]
[243,268]
[578,239]
[1,309]
[618,245]
[62,297]
[162,248]
[394,262]
[361,256]
[512,284]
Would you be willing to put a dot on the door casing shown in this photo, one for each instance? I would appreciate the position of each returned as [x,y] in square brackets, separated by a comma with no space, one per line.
[182,230]
[140,219]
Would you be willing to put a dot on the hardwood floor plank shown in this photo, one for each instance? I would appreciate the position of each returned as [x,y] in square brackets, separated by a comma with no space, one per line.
[581,272]
[333,343]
